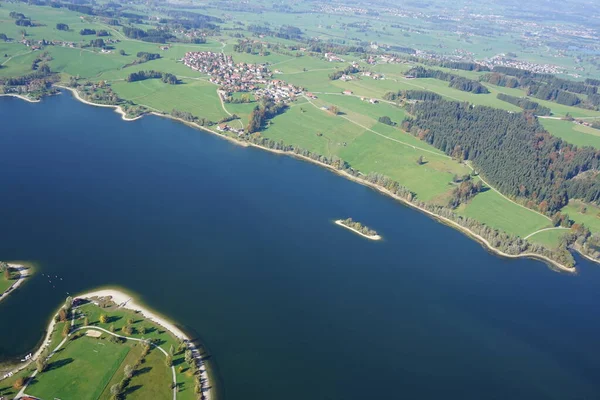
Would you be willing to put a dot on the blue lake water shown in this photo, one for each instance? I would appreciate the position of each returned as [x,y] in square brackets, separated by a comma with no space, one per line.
[239,246]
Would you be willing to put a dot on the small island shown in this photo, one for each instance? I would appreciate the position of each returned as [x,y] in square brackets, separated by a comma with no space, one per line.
[11,277]
[359,228]
[102,345]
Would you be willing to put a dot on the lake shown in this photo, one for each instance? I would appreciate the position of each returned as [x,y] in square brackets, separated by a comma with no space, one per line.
[239,246]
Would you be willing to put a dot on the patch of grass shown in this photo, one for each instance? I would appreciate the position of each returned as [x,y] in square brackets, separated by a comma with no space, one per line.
[591,217]
[81,370]
[550,239]
[494,210]
[576,134]
[152,379]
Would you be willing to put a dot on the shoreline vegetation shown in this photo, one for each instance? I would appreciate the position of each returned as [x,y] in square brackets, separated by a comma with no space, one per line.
[8,270]
[122,300]
[409,200]
[358,228]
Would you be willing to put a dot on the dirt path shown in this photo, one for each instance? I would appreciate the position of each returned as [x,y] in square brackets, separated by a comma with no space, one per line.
[544,230]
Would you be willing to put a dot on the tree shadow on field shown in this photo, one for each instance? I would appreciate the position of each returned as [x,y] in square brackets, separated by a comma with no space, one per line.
[60,363]
[142,371]
[178,361]
[131,389]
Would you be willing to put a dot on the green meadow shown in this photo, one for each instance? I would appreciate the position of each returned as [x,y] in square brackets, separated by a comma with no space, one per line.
[579,135]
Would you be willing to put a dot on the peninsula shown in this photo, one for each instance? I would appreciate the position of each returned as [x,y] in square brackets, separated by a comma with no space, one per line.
[358,228]
[104,343]
[12,276]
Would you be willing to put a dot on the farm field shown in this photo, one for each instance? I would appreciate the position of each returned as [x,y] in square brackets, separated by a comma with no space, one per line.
[579,135]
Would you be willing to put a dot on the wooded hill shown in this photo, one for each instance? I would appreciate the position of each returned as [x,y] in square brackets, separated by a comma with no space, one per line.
[511,150]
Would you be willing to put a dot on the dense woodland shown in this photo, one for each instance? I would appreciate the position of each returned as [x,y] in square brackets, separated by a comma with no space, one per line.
[412,95]
[525,103]
[455,81]
[547,87]
[511,150]
[143,75]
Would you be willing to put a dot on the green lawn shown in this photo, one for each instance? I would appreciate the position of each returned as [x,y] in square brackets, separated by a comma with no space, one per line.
[4,283]
[80,371]
[494,210]
[576,134]
[549,239]
[591,217]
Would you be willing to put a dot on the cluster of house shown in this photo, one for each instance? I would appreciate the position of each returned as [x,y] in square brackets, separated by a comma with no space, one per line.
[231,77]
[373,75]
[503,60]
[278,90]
[241,77]
[331,57]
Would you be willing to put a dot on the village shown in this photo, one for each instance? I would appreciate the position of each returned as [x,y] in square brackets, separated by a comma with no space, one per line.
[241,77]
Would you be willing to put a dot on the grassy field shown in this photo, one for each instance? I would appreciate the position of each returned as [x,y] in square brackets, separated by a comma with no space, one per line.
[590,218]
[579,135]
[4,283]
[198,97]
[549,239]
[80,371]
[494,210]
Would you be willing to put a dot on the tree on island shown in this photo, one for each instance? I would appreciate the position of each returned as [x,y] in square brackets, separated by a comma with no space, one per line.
[420,160]
[103,319]
[7,274]
[169,361]
[66,329]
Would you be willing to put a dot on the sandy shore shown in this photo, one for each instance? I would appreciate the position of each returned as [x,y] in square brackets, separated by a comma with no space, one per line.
[370,237]
[20,97]
[123,300]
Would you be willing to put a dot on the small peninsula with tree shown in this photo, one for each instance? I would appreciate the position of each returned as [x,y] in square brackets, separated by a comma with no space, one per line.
[359,228]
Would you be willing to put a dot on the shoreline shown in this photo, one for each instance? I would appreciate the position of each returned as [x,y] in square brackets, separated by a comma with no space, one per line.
[117,109]
[23,274]
[124,300]
[370,237]
[19,96]
[346,175]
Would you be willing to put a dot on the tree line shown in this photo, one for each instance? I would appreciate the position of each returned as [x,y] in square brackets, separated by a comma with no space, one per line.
[525,103]
[412,95]
[455,81]
[166,77]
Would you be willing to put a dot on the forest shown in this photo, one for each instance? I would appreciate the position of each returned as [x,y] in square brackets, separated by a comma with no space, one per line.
[525,104]
[511,150]
[455,81]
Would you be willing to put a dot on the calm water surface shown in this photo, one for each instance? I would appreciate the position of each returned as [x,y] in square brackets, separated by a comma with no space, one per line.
[238,245]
